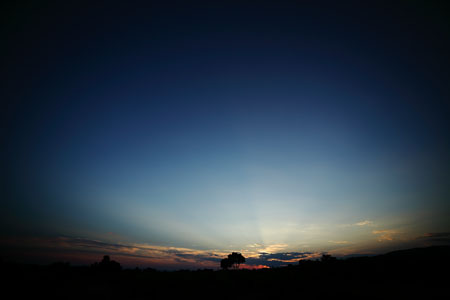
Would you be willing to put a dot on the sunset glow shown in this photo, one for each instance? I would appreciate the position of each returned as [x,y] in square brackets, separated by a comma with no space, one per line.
[169,137]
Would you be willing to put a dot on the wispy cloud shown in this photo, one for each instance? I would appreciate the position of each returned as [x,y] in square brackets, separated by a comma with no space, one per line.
[386,235]
[143,254]
[436,237]
[364,223]
[273,248]
[132,254]
[436,234]
[339,242]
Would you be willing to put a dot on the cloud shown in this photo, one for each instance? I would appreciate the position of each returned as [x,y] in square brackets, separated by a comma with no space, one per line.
[386,235]
[255,245]
[87,251]
[136,254]
[273,248]
[364,223]
[436,237]
[339,242]
[436,234]
[281,259]
[267,256]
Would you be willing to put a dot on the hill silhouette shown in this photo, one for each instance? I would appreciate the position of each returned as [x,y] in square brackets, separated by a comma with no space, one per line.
[419,254]
[419,272]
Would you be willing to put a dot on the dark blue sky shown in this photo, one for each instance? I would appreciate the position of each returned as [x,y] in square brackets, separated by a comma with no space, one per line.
[267,127]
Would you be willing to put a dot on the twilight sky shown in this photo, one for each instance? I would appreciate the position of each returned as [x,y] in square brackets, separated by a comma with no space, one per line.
[170,135]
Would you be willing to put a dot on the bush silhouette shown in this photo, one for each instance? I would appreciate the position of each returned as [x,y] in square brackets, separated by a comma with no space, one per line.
[233,260]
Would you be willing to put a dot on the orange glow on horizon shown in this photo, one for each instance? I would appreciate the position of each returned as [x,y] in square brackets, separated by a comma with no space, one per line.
[253,267]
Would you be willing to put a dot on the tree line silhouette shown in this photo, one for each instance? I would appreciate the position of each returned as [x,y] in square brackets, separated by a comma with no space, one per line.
[402,274]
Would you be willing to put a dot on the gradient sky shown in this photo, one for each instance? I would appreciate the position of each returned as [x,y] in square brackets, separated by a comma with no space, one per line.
[170,135]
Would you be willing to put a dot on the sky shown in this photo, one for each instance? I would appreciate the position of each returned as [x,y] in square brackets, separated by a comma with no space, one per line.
[170,135]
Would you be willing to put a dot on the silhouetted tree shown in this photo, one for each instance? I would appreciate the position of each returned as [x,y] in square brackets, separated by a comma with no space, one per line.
[107,265]
[233,260]
[225,263]
[327,258]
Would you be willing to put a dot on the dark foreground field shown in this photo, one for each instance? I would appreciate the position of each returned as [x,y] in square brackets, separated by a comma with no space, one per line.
[422,273]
